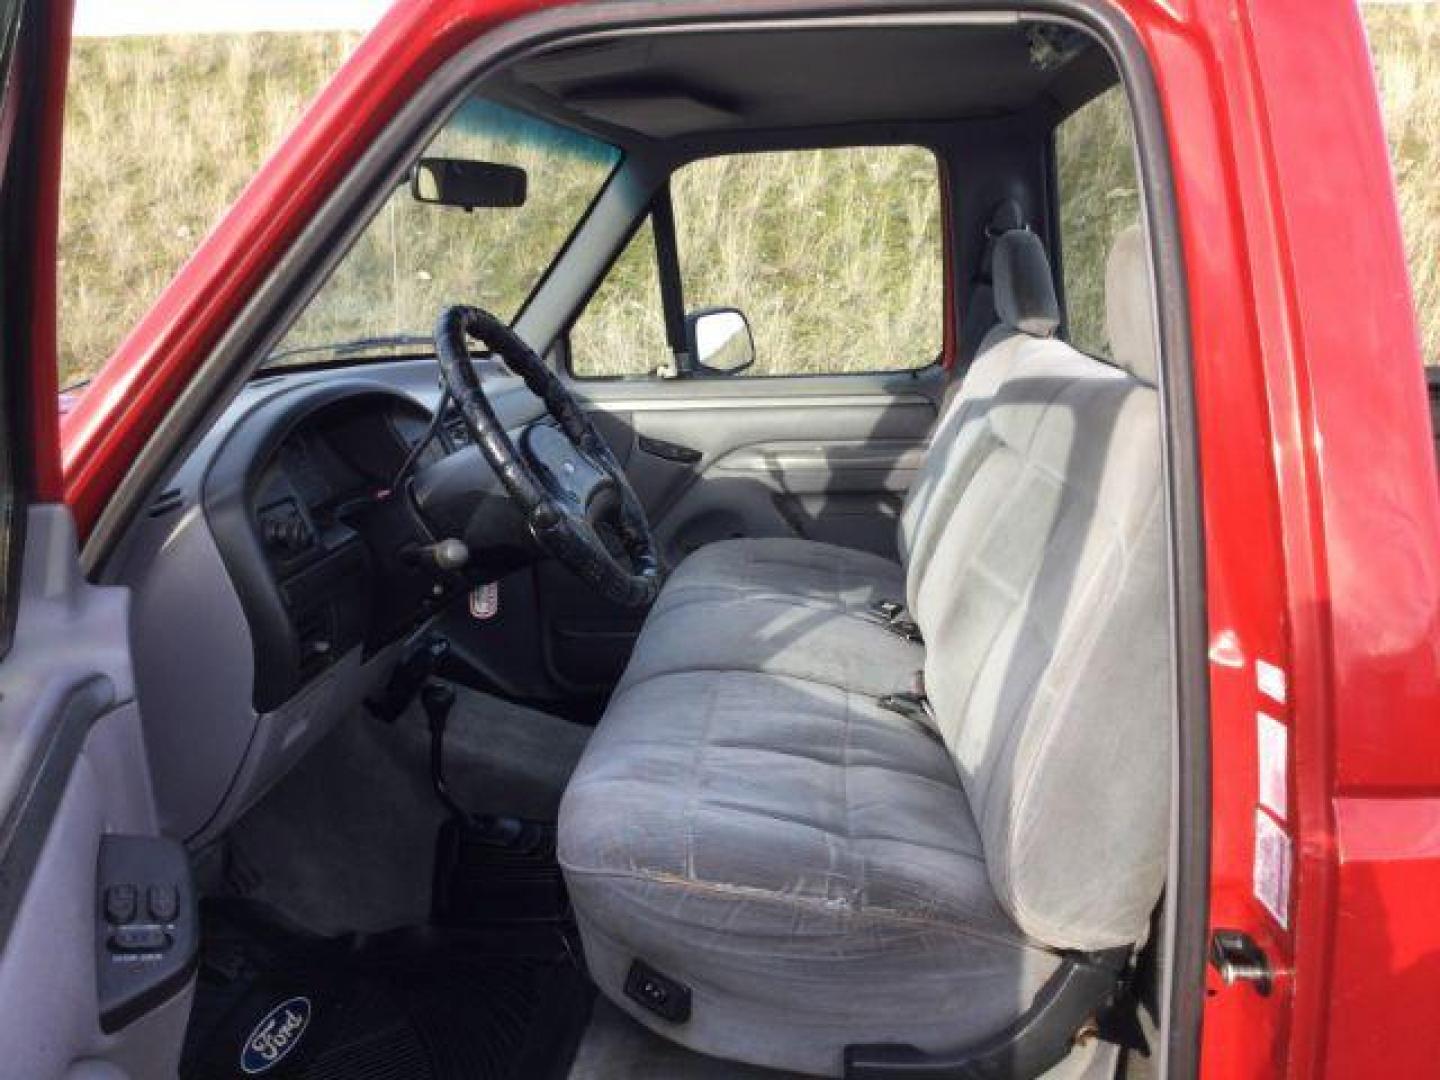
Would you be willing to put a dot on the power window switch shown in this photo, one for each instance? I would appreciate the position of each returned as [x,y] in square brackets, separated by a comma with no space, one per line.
[139,939]
[163,902]
[122,903]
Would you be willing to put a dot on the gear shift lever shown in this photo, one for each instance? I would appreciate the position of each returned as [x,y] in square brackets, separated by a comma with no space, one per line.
[437,699]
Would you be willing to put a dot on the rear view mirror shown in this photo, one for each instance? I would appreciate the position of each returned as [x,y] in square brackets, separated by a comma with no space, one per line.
[719,340]
[467,184]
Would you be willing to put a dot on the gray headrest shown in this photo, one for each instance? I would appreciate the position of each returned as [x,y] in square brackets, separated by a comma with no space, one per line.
[1130,306]
[1024,289]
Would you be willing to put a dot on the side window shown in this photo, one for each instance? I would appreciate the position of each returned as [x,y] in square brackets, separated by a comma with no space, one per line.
[622,330]
[834,256]
[1099,196]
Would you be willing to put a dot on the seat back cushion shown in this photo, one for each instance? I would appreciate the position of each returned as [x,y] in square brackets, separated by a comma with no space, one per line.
[1029,312]
[1046,620]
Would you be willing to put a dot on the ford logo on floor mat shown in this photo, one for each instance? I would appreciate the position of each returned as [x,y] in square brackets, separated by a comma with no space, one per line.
[275,1037]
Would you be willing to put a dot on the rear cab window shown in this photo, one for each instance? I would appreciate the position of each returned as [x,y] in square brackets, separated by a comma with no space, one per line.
[835,257]
[1099,195]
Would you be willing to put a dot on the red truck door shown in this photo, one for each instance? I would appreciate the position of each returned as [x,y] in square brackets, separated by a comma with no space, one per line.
[1322,529]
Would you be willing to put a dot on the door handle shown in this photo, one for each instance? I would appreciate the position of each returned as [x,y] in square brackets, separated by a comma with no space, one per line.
[682,455]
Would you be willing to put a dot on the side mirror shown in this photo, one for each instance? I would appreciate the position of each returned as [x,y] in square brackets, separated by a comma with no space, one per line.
[467,184]
[719,340]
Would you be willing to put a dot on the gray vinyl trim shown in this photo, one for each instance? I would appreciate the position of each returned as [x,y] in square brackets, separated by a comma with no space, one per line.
[28,818]
[679,404]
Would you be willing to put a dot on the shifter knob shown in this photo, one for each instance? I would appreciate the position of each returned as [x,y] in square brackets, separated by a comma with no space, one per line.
[447,555]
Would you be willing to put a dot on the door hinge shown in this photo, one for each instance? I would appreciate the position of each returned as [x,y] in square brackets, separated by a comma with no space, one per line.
[1238,958]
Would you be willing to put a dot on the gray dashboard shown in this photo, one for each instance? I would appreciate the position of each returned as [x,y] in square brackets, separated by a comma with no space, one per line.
[224,718]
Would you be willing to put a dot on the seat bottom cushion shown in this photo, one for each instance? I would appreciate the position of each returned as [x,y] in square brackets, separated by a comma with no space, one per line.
[851,650]
[780,606]
[803,860]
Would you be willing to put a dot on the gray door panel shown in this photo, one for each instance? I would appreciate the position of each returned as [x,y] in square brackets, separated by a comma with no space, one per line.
[845,493]
[824,465]
[74,771]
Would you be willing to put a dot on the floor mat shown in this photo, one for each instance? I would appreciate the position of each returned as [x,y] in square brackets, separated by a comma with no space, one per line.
[480,882]
[334,844]
[276,1002]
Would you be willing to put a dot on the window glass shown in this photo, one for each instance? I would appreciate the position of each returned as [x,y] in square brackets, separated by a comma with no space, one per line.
[834,256]
[622,330]
[1099,197]
[416,257]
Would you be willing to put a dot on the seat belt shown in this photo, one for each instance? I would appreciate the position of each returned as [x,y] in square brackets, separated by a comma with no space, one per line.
[914,706]
[980,313]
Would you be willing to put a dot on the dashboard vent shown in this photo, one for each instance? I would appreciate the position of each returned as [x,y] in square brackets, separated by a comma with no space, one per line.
[167,502]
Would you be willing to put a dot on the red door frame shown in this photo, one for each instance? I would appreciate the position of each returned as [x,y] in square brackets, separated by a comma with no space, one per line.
[1320,508]
[47,481]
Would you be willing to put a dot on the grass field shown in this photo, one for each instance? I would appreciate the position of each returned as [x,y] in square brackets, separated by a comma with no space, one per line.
[162,133]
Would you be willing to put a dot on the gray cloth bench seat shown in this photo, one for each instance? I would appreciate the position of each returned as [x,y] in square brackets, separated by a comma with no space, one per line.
[751,821]
[770,604]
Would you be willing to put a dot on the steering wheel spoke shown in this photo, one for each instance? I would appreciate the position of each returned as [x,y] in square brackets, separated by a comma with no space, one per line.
[564,478]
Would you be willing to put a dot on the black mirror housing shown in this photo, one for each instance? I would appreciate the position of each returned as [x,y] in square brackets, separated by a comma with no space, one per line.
[719,341]
[469,185]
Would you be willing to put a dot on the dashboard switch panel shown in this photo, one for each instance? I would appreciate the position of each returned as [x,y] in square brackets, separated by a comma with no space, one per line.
[284,530]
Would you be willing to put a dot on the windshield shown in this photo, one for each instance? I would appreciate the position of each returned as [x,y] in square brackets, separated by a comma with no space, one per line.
[416,257]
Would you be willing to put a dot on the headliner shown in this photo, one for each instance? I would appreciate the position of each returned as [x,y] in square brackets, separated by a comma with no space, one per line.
[674,86]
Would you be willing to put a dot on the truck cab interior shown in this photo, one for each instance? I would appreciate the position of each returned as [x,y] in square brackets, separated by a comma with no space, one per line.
[730,632]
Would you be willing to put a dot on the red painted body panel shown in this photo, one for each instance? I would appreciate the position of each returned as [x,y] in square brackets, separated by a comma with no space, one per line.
[1321,509]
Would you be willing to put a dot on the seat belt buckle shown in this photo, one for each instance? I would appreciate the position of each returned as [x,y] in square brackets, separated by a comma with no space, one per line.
[892,615]
[916,709]
[905,629]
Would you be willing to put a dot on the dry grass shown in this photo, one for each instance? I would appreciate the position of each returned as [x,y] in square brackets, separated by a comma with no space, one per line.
[163,133]
[1405,39]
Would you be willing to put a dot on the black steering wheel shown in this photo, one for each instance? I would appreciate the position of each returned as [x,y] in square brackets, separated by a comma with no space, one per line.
[566,482]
